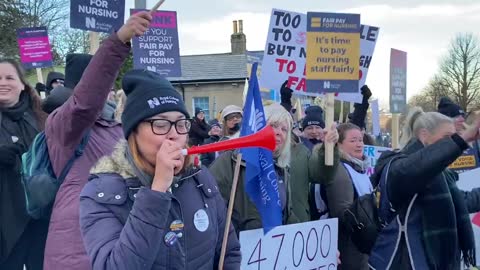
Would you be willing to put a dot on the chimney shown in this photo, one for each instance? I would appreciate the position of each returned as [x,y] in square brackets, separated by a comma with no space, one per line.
[238,39]
[235,27]
[240,26]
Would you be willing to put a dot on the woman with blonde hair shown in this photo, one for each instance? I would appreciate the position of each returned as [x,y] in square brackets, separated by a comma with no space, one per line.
[293,189]
[430,227]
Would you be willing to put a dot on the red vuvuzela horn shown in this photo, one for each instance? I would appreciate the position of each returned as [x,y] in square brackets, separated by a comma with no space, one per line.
[265,138]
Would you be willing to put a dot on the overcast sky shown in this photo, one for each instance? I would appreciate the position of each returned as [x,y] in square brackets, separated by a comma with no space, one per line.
[422,28]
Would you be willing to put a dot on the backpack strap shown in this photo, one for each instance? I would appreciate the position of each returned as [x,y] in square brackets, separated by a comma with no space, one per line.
[78,153]
[386,210]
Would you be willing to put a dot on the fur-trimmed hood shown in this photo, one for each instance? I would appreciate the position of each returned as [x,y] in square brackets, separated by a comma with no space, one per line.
[115,163]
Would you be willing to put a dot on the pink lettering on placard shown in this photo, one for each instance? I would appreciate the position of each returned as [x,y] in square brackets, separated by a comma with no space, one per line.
[164,19]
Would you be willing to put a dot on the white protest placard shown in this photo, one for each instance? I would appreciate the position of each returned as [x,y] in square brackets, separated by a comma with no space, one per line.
[368,39]
[375,117]
[373,153]
[468,181]
[309,245]
[285,54]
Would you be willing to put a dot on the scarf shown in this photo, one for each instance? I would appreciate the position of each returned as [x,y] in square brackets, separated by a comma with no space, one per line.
[17,111]
[108,112]
[441,232]
[144,178]
[20,122]
[446,223]
[362,164]
[315,141]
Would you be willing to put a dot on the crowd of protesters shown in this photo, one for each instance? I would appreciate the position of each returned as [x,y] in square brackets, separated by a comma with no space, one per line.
[132,200]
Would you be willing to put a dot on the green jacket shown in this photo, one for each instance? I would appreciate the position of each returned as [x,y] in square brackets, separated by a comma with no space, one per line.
[297,179]
[308,168]
[245,215]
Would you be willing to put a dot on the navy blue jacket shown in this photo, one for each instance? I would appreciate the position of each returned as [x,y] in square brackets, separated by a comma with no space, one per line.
[127,226]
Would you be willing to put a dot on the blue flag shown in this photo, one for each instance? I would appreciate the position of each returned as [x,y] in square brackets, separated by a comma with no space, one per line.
[260,179]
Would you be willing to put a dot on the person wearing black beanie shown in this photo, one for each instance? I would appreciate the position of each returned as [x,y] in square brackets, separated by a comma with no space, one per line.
[149,191]
[313,126]
[54,79]
[76,63]
[447,107]
[149,94]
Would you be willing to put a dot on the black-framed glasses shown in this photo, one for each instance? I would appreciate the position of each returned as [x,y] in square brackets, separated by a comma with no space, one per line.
[163,126]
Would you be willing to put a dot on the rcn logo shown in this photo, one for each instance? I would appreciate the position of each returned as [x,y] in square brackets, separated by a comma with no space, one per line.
[90,22]
[326,84]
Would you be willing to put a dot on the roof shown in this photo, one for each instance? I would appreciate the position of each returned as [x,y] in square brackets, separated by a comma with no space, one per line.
[212,67]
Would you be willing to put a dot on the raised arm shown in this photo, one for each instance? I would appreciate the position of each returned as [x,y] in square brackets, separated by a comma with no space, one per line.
[68,124]
[411,174]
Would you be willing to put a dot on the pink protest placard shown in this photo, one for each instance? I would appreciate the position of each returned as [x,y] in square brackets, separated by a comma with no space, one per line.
[34,47]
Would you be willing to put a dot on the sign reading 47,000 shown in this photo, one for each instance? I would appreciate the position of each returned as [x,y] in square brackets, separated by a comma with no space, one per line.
[309,245]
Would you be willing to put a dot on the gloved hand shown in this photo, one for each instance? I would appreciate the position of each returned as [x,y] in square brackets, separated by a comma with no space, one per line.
[286,96]
[285,92]
[9,153]
[366,93]
[40,87]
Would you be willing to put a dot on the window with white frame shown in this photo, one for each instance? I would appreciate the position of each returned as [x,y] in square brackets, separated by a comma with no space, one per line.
[203,103]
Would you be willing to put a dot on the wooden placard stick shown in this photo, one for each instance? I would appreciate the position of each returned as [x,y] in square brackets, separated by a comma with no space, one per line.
[157,5]
[329,119]
[230,210]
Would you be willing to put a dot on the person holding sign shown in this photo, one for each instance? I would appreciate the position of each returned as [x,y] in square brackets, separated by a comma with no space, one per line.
[431,228]
[22,239]
[351,181]
[293,181]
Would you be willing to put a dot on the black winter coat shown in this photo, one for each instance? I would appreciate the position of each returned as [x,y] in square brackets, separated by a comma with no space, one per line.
[209,158]
[198,132]
[18,129]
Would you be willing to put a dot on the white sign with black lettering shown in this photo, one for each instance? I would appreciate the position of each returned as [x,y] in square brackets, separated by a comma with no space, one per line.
[309,245]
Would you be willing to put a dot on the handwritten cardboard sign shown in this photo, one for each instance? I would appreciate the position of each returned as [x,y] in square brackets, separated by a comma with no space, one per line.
[309,245]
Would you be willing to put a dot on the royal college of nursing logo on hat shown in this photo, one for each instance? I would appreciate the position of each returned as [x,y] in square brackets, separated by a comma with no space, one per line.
[158,101]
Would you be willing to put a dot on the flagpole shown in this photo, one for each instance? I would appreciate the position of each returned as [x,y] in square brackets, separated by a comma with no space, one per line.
[230,211]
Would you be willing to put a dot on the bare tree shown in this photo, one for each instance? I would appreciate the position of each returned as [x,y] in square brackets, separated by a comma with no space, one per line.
[460,70]
[67,40]
[49,13]
[429,97]
[11,18]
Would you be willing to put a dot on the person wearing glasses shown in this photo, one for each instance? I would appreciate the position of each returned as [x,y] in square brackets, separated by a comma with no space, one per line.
[146,206]
[232,122]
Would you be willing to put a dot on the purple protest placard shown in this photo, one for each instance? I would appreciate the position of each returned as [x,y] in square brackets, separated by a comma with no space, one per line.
[34,47]
[158,49]
[97,15]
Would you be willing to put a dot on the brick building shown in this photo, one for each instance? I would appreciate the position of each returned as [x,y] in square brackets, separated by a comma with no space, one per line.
[213,81]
